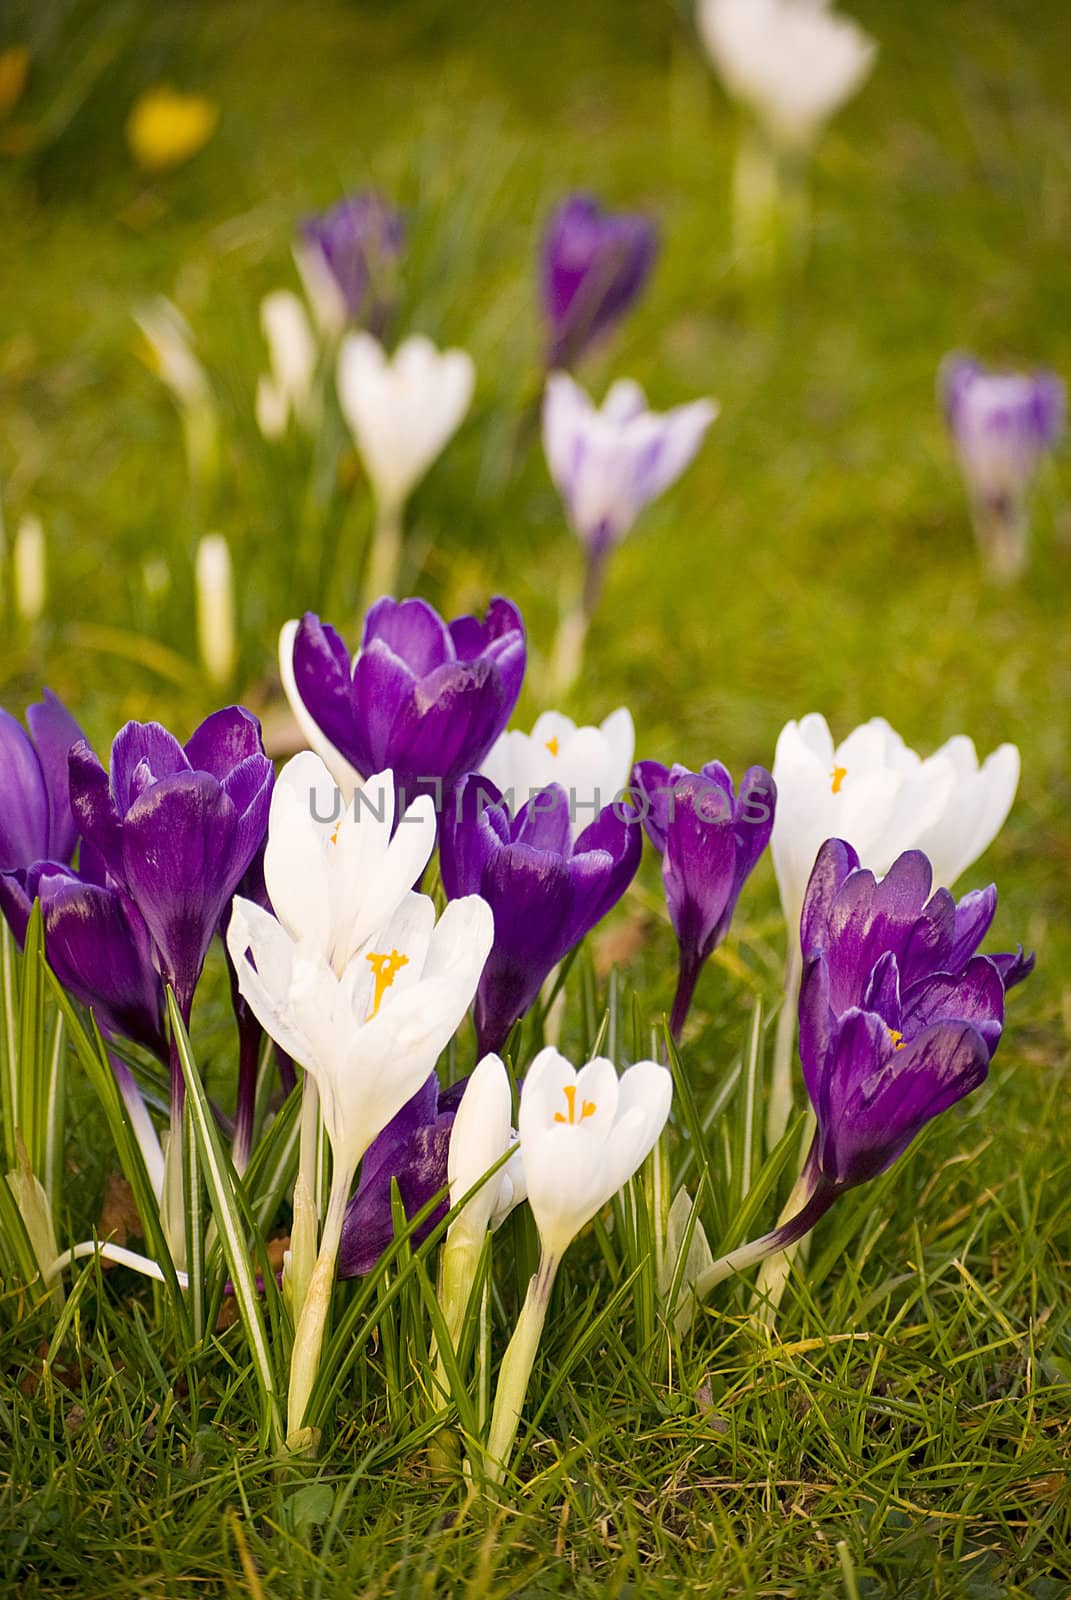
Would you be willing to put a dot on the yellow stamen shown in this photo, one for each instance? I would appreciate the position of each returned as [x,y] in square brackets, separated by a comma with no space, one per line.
[897,1038]
[838,775]
[587,1108]
[385,969]
[334,840]
[552,746]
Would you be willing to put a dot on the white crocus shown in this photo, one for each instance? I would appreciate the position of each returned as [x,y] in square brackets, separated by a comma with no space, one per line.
[793,63]
[402,411]
[583,1136]
[288,391]
[354,979]
[591,764]
[217,634]
[169,352]
[977,809]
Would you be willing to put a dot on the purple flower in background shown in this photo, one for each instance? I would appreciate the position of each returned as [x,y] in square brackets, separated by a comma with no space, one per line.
[710,840]
[35,814]
[412,1149]
[899,1017]
[546,892]
[593,266]
[424,697]
[176,827]
[349,257]
[1002,424]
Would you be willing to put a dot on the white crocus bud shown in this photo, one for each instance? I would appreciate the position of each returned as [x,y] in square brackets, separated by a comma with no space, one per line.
[288,392]
[30,570]
[216,630]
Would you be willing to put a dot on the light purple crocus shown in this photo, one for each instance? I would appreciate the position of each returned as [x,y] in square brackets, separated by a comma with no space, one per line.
[545,890]
[608,464]
[426,698]
[593,267]
[349,259]
[175,828]
[710,840]
[1002,425]
[412,1150]
[36,823]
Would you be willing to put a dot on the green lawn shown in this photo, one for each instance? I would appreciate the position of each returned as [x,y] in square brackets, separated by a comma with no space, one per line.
[906,1433]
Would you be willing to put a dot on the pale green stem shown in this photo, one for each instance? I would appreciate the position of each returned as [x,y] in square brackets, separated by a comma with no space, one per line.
[814,1207]
[309,1336]
[385,558]
[12,1118]
[771,210]
[773,1277]
[173,1200]
[780,1107]
[1002,531]
[305,1223]
[111,1252]
[516,1369]
[567,658]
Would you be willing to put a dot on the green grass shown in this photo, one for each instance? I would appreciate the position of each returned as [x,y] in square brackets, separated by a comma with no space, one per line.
[906,1434]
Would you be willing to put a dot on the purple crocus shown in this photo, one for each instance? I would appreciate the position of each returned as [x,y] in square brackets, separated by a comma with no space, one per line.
[593,266]
[1002,424]
[899,1018]
[349,259]
[546,892]
[710,839]
[35,808]
[175,828]
[425,698]
[412,1149]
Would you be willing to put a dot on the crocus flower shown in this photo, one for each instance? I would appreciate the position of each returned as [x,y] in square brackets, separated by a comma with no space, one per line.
[583,1135]
[1002,424]
[898,1020]
[288,391]
[176,827]
[29,570]
[348,258]
[424,697]
[217,629]
[402,409]
[166,127]
[609,463]
[793,63]
[36,823]
[169,351]
[546,889]
[594,265]
[710,840]
[591,764]
[883,798]
[411,1150]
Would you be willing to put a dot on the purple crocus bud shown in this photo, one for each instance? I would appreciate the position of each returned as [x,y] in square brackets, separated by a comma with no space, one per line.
[412,1149]
[424,697]
[176,827]
[348,257]
[35,808]
[545,890]
[899,1018]
[593,266]
[710,840]
[1002,424]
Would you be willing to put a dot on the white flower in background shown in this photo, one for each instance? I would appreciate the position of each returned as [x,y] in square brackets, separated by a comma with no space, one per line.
[583,1135]
[480,1136]
[216,630]
[169,352]
[609,463]
[288,391]
[402,410]
[879,795]
[29,570]
[793,63]
[591,764]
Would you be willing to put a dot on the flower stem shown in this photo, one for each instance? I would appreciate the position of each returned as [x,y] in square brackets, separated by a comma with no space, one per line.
[304,1226]
[813,1209]
[385,557]
[1002,532]
[249,1037]
[309,1337]
[780,1107]
[516,1369]
[773,1275]
[687,978]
